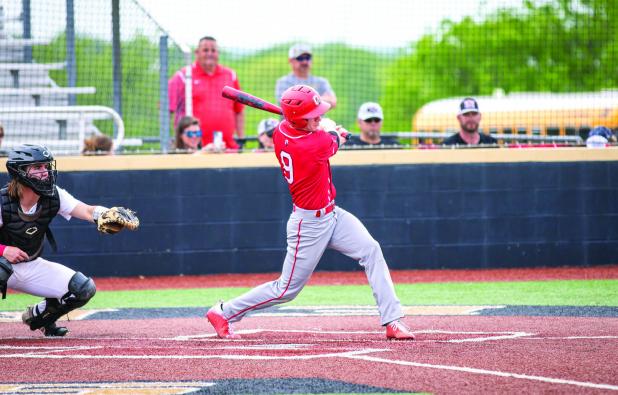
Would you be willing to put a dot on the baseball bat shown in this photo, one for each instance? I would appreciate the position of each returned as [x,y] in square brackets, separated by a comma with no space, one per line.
[252,101]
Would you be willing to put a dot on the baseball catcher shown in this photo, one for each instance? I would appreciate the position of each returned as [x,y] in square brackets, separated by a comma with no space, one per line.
[28,203]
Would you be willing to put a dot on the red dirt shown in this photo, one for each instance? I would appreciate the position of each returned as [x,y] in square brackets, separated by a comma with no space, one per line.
[358,277]
[558,348]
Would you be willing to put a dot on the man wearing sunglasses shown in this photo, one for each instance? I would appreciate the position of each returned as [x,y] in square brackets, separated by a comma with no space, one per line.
[301,58]
[370,117]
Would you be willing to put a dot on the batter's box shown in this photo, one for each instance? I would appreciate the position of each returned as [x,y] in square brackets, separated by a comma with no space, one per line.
[320,336]
[342,311]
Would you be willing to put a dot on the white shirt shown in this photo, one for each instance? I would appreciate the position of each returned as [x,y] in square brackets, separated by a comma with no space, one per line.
[67,204]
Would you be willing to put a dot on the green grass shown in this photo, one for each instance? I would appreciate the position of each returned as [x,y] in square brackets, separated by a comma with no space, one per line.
[536,293]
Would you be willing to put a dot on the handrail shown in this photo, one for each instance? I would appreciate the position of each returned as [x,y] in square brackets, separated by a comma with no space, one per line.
[499,136]
[82,111]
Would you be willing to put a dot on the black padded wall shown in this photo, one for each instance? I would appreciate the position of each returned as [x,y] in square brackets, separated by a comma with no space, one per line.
[203,221]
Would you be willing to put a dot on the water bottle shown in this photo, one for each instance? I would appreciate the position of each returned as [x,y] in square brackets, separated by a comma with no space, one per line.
[218,139]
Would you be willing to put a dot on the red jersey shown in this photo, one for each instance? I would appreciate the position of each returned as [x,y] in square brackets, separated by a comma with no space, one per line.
[213,110]
[304,160]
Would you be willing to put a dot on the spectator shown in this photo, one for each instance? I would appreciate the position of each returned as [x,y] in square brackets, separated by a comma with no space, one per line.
[300,58]
[265,130]
[98,144]
[214,112]
[370,117]
[599,137]
[1,134]
[188,137]
[469,118]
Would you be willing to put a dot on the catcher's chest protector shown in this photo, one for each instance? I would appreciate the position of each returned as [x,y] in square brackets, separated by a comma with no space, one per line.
[27,231]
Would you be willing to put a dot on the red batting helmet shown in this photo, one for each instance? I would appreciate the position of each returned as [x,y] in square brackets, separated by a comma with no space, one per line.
[302,102]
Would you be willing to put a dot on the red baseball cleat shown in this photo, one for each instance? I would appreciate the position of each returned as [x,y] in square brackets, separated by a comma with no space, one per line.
[220,323]
[397,330]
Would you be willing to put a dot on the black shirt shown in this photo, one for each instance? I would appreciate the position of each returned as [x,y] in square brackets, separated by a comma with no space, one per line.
[457,140]
[384,140]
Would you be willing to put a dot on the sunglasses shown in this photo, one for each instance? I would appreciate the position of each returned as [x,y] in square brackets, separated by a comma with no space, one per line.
[373,120]
[193,133]
[304,57]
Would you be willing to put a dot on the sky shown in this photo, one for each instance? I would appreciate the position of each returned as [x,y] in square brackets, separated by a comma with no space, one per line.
[252,25]
[255,24]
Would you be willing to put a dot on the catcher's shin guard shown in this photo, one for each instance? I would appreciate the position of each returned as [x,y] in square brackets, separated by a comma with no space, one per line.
[81,290]
[6,270]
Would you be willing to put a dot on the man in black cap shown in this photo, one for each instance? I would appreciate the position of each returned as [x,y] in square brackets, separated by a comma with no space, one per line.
[469,119]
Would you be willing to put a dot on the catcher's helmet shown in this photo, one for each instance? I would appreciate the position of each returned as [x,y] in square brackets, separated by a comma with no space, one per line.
[603,132]
[21,157]
[302,102]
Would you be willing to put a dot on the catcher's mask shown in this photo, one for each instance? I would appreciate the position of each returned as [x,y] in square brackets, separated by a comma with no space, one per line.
[22,157]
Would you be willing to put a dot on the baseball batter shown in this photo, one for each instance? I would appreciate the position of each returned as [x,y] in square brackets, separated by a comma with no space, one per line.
[29,202]
[303,149]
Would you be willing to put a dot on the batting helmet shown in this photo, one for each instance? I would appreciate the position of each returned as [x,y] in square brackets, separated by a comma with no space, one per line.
[603,132]
[28,154]
[300,103]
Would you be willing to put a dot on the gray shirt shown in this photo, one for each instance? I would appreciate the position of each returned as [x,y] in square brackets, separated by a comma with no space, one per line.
[320,84]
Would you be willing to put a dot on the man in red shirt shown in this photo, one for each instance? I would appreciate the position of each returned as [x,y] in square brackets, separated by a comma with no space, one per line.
[208,79]
[303,149]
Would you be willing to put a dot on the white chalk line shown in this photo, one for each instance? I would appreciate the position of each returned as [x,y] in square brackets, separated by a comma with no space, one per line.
[486,372]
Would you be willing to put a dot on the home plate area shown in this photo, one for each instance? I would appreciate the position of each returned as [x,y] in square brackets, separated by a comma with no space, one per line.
[293,349]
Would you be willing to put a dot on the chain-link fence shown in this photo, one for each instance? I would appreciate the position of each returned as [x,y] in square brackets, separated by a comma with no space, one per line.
[73,69]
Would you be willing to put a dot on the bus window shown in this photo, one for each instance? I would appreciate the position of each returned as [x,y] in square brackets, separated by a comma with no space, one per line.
[553,131]
[583,132]
[570,131]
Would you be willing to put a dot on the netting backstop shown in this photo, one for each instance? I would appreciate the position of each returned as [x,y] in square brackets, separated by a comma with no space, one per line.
[72,69]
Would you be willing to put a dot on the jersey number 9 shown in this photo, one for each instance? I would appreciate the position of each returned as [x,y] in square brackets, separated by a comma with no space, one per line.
[287,167]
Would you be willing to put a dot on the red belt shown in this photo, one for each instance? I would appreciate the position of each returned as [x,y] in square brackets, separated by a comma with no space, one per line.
[323,211]
[328,209]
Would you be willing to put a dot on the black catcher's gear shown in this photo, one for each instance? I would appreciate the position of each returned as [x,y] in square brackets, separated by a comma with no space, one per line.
[81,290]
[28,154]
[6,269]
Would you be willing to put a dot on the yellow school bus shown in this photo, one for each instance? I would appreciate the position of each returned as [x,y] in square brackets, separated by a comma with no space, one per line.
[550,114]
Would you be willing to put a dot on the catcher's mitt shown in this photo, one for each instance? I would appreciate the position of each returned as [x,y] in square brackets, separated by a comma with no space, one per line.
[116,219]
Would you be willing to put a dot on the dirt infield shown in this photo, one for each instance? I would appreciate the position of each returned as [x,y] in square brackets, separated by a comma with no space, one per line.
[286,354]
[323,349]
[358,277]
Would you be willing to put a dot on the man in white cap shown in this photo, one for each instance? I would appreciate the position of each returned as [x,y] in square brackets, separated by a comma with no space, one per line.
[469,118]
[265,130]
[370,117]
[300,58]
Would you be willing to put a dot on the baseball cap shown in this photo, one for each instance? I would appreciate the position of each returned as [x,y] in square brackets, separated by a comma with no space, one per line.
[267,126]
[299,49]
[601,131]
[468,105]
[370,110]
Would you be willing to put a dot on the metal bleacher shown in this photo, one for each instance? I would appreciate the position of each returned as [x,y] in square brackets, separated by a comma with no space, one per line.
[35,109]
